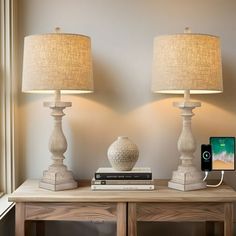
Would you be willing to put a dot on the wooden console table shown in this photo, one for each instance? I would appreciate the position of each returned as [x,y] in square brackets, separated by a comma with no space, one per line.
[126,208]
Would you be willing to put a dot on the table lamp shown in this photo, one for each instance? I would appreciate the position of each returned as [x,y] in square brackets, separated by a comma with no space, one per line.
[187,64]
[57,62]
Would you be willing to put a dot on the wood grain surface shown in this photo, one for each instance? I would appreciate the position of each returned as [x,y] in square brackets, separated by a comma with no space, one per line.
[121,218]
[30,192]
[228,221]
[20,219]
[71,211]
[132,219]
[198,212]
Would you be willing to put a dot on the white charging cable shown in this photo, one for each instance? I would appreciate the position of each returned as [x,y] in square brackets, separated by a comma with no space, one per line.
[205,177]
[216,185]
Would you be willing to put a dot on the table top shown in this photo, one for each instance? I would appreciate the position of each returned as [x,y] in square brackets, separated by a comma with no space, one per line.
[30,192]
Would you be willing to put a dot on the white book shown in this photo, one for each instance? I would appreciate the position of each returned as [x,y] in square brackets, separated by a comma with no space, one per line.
[122,182]
[134,170]
[123,187]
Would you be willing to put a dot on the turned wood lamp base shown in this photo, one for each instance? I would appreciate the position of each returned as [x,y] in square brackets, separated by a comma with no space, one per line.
[57,177]
[186,177]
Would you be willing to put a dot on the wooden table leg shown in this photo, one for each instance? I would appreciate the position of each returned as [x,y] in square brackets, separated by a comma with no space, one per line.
[20,219]
[228,221]
[132,221]
[121,219]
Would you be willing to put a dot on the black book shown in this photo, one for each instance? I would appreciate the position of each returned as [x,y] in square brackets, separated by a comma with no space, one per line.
[138,173]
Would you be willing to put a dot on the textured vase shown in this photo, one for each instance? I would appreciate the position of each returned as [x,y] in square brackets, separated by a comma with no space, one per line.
[123,154]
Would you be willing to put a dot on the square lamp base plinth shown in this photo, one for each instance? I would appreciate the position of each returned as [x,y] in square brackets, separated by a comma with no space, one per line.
[57,181]
[186,187]
[186,179]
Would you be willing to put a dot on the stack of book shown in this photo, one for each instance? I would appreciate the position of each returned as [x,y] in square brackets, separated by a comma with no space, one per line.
[138,178]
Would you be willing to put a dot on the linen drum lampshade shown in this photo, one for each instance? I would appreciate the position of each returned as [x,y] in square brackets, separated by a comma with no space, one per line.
[187,62]
[57,61]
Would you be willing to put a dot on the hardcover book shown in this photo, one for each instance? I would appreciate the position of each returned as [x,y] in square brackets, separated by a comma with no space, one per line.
[137,173]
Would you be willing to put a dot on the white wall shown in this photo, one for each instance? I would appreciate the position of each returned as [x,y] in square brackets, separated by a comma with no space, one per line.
[122,34]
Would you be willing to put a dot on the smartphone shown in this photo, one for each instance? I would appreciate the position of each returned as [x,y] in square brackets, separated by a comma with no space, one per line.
[206,157]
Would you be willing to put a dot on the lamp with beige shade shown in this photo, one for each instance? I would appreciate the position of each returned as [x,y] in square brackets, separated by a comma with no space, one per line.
[53,63]
[187,64]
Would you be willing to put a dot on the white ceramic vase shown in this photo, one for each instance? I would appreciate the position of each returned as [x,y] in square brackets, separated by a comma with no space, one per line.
[123,154]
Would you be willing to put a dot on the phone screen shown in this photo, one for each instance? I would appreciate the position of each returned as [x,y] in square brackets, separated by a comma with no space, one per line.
[223,153]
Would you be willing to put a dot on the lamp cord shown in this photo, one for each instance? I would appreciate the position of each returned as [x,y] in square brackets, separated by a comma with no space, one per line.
[214,185]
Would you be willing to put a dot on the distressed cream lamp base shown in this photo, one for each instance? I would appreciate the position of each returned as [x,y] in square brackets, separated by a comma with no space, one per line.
[57,177]
[186,177]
